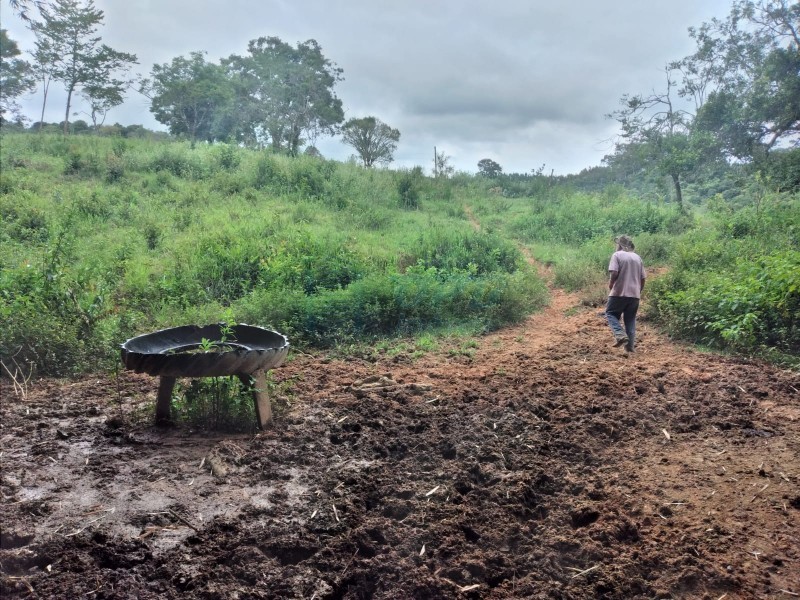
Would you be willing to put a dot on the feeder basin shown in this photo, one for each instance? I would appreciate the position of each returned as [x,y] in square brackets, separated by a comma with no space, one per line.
[215,350]
[180,351]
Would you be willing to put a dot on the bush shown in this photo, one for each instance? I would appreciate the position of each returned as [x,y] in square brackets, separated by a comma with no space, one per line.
[312,264]
[227,156]
[452,250]
[269,173]
[754,305]
[408,191]
[22,222]
[398,304]
[215,404]
[574,273]
[783,170]
[115,168]
[177,161]
[306,177]
[50,321]
[579,218]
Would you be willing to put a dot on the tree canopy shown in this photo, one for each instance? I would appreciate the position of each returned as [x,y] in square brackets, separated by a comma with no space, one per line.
[277,94]
[286,93]
[748,65]
[16,76]
[489,168]
[190,96]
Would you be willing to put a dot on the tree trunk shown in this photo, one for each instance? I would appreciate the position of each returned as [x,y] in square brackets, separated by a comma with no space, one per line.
[676,180]
[66,115]
[44,103]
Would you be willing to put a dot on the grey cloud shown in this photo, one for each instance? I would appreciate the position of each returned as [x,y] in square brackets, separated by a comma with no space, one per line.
[525,80]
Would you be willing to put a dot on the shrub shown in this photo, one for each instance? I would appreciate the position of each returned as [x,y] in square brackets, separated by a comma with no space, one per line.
[7,184]
[177,161]
[115,168]
[579,218]
[574,273]
[50,319]
[408,191]
[399,304]
[119,147]
[312,264]
[23,222]
[754,305]
[215,403]
[74,162]
[269,173]
[227,156]
[452,250]
[306,179]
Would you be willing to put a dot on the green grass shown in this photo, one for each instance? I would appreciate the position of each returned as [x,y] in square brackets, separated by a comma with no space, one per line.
[104,238]
[108,238]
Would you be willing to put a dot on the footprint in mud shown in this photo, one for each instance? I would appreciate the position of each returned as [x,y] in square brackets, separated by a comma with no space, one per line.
[583,516]
[290,555]
[448,451]
[397,511]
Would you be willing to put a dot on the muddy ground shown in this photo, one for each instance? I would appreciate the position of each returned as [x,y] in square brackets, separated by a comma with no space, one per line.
[542,464]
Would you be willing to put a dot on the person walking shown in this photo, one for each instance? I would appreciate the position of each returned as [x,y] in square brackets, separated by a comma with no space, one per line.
[625,285]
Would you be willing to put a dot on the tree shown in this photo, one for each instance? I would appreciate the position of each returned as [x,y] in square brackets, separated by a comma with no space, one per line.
[102,98]
[289,92]
[373,139]
[80,60]
[744,82]
[190,96]
[747,67]
[489,168]
[655,124]
[16,77]
[103,90]
[46,61]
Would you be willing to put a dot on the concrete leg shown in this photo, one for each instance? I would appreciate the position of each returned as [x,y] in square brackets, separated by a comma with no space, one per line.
[258,382]
[164,400]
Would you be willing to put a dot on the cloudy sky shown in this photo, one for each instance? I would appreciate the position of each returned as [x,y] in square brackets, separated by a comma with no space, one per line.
[523,82]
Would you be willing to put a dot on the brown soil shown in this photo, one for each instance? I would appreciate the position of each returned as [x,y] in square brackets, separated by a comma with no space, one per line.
[543,464]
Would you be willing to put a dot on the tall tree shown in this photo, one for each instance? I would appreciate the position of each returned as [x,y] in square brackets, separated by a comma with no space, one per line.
[191,96]
[16,77]
[656,124]
[69,26]
[289,91]
[374,140]
[45,64]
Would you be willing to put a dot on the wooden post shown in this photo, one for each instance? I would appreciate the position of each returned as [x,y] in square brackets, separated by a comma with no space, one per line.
[164,399]
[258,383]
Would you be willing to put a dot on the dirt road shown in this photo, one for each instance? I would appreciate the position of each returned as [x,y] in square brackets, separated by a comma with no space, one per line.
[542,464]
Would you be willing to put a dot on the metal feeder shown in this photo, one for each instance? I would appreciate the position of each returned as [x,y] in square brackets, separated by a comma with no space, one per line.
[246,351]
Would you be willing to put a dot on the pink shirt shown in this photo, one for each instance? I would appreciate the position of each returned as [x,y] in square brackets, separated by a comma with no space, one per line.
[631,274]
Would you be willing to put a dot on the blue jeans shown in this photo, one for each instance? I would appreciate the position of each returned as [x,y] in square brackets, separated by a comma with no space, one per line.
[627,309]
